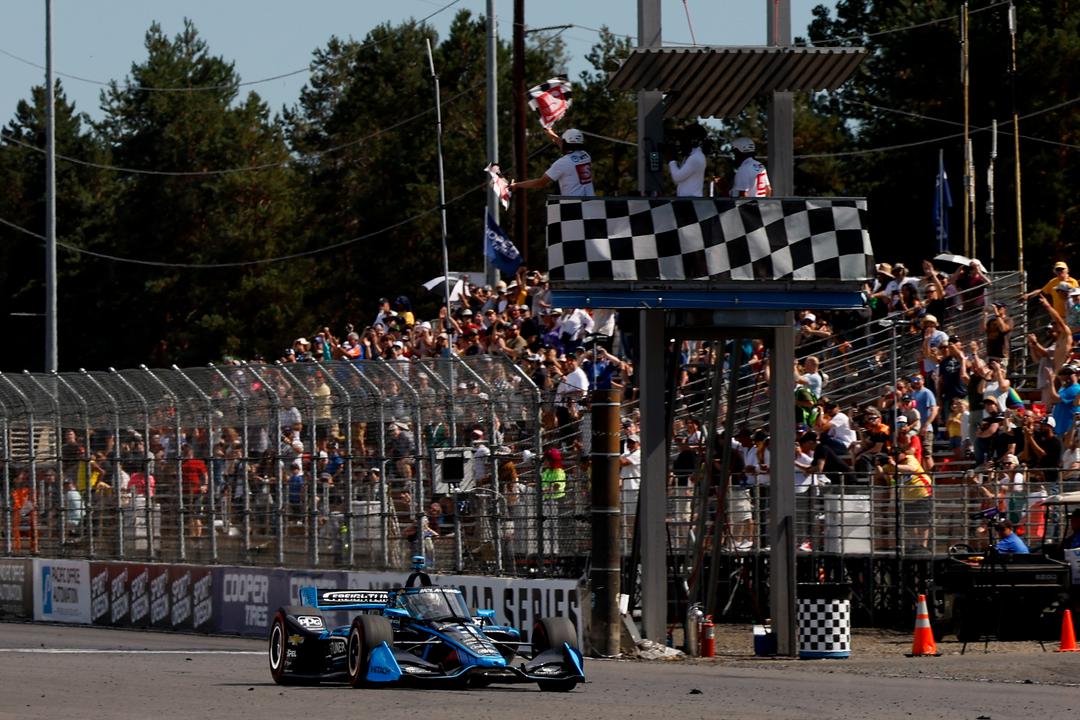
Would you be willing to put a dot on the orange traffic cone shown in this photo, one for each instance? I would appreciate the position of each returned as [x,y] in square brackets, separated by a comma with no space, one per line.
[923,644]
[1068,636]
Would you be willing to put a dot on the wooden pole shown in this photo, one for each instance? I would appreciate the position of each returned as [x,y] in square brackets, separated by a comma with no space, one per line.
[521,152]
[967,142]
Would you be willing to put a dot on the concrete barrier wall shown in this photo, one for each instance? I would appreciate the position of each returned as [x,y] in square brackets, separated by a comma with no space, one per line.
[237,600]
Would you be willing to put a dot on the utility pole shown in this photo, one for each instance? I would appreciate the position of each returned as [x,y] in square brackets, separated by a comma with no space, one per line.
[1016,144]
[52,362]
[521,152]
[781,108]
[605,572]
[964,76]
[442,191]
[990,191]
[490,272]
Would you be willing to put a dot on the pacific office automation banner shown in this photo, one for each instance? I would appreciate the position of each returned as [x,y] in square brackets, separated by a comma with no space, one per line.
[168,597]
[62,590]
[16,588]
[517,602]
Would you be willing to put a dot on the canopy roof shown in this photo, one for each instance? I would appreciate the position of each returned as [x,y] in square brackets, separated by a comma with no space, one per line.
[720,81]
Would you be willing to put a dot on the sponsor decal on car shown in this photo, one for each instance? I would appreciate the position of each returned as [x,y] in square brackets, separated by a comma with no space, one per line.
[310,622]
[355,597]
[296,639]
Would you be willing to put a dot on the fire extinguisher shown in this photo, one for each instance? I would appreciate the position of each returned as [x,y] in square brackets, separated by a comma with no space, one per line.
[708,637]
[694,616]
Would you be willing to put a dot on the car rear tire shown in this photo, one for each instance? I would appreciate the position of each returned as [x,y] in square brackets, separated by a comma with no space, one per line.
[367,633]
[553,633]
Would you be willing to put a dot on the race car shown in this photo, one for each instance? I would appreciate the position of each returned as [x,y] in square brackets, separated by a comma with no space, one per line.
[419,634]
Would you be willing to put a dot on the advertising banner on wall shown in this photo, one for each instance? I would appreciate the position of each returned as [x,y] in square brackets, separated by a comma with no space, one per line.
[169,597]
[247,598]
[240,601]
[16,588]
[62,590]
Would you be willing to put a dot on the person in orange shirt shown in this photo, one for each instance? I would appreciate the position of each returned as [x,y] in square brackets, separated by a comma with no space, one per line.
[25,518]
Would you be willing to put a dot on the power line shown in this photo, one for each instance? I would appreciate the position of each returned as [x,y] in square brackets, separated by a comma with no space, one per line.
[249,168]
[905,28]
[243,263]
[206,88]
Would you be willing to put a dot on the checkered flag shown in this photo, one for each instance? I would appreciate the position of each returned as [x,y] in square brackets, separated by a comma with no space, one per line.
[551,100]
[499,184]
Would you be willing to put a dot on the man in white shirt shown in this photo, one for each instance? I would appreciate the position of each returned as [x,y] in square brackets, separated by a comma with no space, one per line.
[690,176]
[573,171]
[751,178]
[575,382]
[574,325]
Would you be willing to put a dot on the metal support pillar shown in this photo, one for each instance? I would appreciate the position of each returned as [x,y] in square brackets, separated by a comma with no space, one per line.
[781,110]
[606,570]
[653,500]
[650,106]
[782,489]
[492,115]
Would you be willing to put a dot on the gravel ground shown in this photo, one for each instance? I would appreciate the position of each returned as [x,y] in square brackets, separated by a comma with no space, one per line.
[882,654]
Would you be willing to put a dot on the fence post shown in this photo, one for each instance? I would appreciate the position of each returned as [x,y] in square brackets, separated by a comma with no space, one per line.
[418,438]
[384,525]
[242,399]
[145,463]
[181,507]
[210,485]
[312,527]
[54,398]
[348,515]
[33,455]
[276,402]
[116,460]
[5,439]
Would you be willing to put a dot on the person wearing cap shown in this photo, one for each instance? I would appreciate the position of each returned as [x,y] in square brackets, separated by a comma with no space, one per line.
[574,383]
[916,490]
[630,478]
[1009,542]
[971,283]
[998,326]
[934,340]
[553,488]
[953,377]
[927,406]
[1066,397]
[1051,291]
[1042,449]
[896,286]
[989,427]
[572,172]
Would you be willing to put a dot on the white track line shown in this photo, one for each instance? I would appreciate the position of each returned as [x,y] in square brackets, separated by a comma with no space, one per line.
[97,651]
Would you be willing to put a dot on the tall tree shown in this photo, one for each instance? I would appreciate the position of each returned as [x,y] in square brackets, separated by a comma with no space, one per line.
[83,206]
[216,210]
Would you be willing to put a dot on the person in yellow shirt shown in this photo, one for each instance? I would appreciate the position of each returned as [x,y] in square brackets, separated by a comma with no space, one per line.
[1050,289]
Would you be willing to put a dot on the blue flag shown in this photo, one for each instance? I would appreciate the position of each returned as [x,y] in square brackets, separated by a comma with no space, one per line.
[942,204]
[499,249]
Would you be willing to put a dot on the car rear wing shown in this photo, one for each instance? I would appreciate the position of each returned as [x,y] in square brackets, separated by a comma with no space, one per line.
[311,596]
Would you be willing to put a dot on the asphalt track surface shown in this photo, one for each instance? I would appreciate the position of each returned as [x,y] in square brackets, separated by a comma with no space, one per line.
[78,672]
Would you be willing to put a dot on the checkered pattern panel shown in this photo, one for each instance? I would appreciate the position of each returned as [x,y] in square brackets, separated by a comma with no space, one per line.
[824,625]
[643,239]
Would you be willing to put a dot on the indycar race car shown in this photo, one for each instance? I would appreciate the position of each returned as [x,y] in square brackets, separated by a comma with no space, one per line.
[419,634]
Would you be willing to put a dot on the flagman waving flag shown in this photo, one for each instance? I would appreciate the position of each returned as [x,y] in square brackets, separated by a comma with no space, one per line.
[499,184]
[551,100]
[499,249]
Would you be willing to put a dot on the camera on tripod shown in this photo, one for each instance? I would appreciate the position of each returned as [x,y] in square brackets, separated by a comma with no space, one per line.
[991,516]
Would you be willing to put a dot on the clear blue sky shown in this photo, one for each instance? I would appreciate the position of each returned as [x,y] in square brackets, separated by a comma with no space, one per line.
[99,39]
